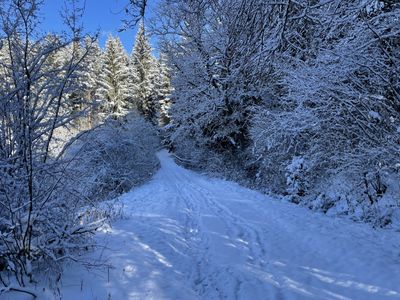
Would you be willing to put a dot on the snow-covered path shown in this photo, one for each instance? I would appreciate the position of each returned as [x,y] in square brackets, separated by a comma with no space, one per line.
[191,237]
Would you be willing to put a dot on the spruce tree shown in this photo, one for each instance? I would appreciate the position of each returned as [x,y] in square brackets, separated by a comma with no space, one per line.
[92,77]
[163,89]
[114,80]
[85,77]
[143,75]
[93,71]
[78,97]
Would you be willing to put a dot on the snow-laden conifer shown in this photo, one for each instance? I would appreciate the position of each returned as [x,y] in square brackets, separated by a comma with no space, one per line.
[144,71]
[114,80]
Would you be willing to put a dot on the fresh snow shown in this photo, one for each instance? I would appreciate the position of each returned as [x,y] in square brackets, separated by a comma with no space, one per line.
[375,115]
[188,236]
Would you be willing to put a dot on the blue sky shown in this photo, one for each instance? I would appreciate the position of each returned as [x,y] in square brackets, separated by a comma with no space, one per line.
[102,15]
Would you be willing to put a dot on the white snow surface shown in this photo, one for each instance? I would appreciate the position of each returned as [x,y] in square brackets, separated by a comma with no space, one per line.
[187,236]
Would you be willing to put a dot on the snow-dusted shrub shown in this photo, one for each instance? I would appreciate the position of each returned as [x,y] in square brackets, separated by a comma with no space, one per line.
[281,143]
[339,111]
[102,164]
[322,203]
[296,179]
[190,152]
[113,158]
[378,200]
[57,231]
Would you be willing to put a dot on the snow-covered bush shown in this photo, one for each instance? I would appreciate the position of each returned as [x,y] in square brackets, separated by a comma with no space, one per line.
[339,112]
[113,158]
[296,179]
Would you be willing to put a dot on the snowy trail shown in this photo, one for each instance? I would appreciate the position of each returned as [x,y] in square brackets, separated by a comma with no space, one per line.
[191,237]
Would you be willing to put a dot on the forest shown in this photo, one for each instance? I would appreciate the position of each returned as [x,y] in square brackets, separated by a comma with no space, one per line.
[296,99]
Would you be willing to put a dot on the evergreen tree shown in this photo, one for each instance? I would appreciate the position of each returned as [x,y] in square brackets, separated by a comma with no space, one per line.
[87,55]
[91,77]
[4,61]
[94,68]
[114,80]
[163,89]
[74,53]
[143,76]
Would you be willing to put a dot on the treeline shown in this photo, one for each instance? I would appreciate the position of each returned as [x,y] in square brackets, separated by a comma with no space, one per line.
[112,83]
[123,83]
[300,98]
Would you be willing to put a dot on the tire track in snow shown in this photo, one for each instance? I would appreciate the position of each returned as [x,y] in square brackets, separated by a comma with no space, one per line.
[238,231]
[254,236]
[275,245]
[241,235]
[205,276]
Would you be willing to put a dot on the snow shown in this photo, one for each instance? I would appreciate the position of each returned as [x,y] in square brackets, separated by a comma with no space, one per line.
[187,236]
[375,115]
[191,237]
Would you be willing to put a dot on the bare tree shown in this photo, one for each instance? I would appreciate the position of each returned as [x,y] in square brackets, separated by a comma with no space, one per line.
[38,222]
[136,12]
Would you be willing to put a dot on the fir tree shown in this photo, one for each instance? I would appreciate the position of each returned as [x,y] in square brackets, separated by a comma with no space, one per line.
[91,77]
[114,80]
[94,68]
[143,75]
[74,53]
[163,89]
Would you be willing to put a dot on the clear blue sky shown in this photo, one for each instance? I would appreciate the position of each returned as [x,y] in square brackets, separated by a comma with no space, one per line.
[102,15]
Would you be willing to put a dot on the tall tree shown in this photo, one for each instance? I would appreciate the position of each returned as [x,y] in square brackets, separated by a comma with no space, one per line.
[163,89]
[217,52]
[93,70]
[114,80]
[143,73]
[92,78]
